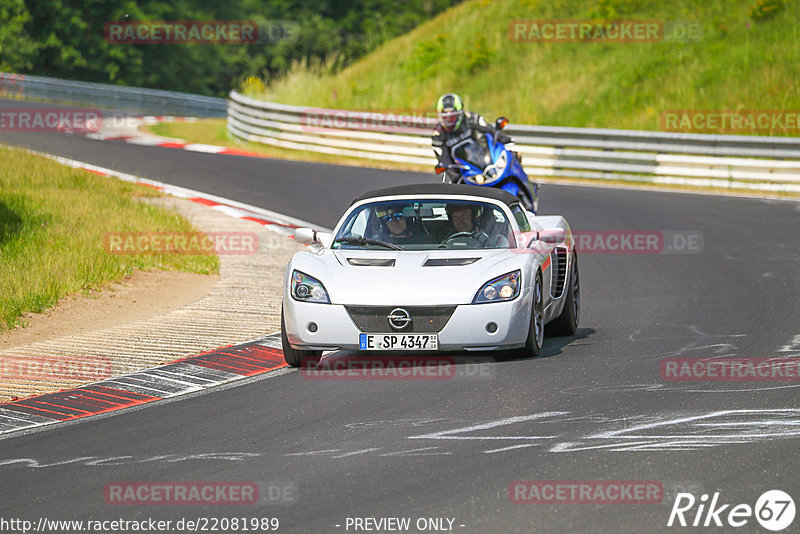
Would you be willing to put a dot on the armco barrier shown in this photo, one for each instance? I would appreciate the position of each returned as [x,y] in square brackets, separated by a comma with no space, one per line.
[719,161]
[129,99]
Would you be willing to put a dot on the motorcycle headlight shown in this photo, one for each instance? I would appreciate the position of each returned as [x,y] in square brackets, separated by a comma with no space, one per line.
[308,289]
[501,163]
[500,289]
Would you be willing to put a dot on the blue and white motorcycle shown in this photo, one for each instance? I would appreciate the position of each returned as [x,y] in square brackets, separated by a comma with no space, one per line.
[486,162]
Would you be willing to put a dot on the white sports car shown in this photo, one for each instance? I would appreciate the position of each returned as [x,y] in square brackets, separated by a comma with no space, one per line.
[431,267]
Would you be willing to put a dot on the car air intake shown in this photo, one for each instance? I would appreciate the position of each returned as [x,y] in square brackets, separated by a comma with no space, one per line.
[558,259]
[452,262]
[371,262]
[424,319]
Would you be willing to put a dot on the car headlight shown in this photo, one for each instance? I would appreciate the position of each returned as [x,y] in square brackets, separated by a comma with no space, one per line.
[308,289]
[500,289]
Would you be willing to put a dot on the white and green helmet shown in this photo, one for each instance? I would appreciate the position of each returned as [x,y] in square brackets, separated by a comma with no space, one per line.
[450,109]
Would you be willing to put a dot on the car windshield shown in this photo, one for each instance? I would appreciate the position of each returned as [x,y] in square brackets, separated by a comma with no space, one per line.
[428,224]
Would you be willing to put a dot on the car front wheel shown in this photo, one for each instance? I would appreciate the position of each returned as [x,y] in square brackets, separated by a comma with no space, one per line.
[535,340]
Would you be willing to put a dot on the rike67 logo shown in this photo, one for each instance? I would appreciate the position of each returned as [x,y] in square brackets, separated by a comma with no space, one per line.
[774,510]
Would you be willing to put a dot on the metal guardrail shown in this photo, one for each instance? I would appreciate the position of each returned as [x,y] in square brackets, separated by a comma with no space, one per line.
[129,99]
[720,161]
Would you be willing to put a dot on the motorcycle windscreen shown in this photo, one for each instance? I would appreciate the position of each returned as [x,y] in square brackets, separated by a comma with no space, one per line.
[474,152]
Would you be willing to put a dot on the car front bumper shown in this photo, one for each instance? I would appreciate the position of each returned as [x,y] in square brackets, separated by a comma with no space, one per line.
[465,330]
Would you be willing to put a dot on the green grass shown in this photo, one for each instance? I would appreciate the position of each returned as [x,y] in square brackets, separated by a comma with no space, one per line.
[52,222]
[741,62]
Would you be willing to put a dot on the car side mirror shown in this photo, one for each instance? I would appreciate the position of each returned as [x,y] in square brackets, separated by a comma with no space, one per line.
[308,236]
[500,123]
[534,237]
[305,236]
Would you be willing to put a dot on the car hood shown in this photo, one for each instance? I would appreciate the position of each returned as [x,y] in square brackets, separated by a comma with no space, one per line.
[389,278]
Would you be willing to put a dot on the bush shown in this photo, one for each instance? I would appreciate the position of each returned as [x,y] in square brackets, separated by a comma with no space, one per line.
[252,86]
[766,9]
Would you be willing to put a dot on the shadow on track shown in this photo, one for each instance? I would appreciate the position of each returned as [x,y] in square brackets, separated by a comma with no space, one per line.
[553,345]
[381,361]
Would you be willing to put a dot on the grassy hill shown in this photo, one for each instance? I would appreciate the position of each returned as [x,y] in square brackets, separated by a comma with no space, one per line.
[747,58]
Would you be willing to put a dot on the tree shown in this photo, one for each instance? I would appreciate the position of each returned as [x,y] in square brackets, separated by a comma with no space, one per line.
[16,48]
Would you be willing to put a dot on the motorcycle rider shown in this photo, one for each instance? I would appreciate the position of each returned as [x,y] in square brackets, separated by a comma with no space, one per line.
[455,125]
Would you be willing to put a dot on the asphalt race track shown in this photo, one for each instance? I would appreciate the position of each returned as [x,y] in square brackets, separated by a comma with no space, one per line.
[593,407]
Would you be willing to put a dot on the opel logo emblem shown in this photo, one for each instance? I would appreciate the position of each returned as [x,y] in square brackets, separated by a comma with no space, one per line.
[399,318]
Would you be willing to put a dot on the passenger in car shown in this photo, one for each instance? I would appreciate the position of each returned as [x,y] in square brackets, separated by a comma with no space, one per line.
[401,230]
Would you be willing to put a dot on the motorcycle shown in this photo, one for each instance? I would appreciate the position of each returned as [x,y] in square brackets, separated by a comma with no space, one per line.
[486,162]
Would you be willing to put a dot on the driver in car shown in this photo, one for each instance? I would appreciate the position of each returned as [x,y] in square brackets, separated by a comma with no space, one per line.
[464,219]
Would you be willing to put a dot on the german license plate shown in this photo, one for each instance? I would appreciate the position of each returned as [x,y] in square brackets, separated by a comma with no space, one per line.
[398,341]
